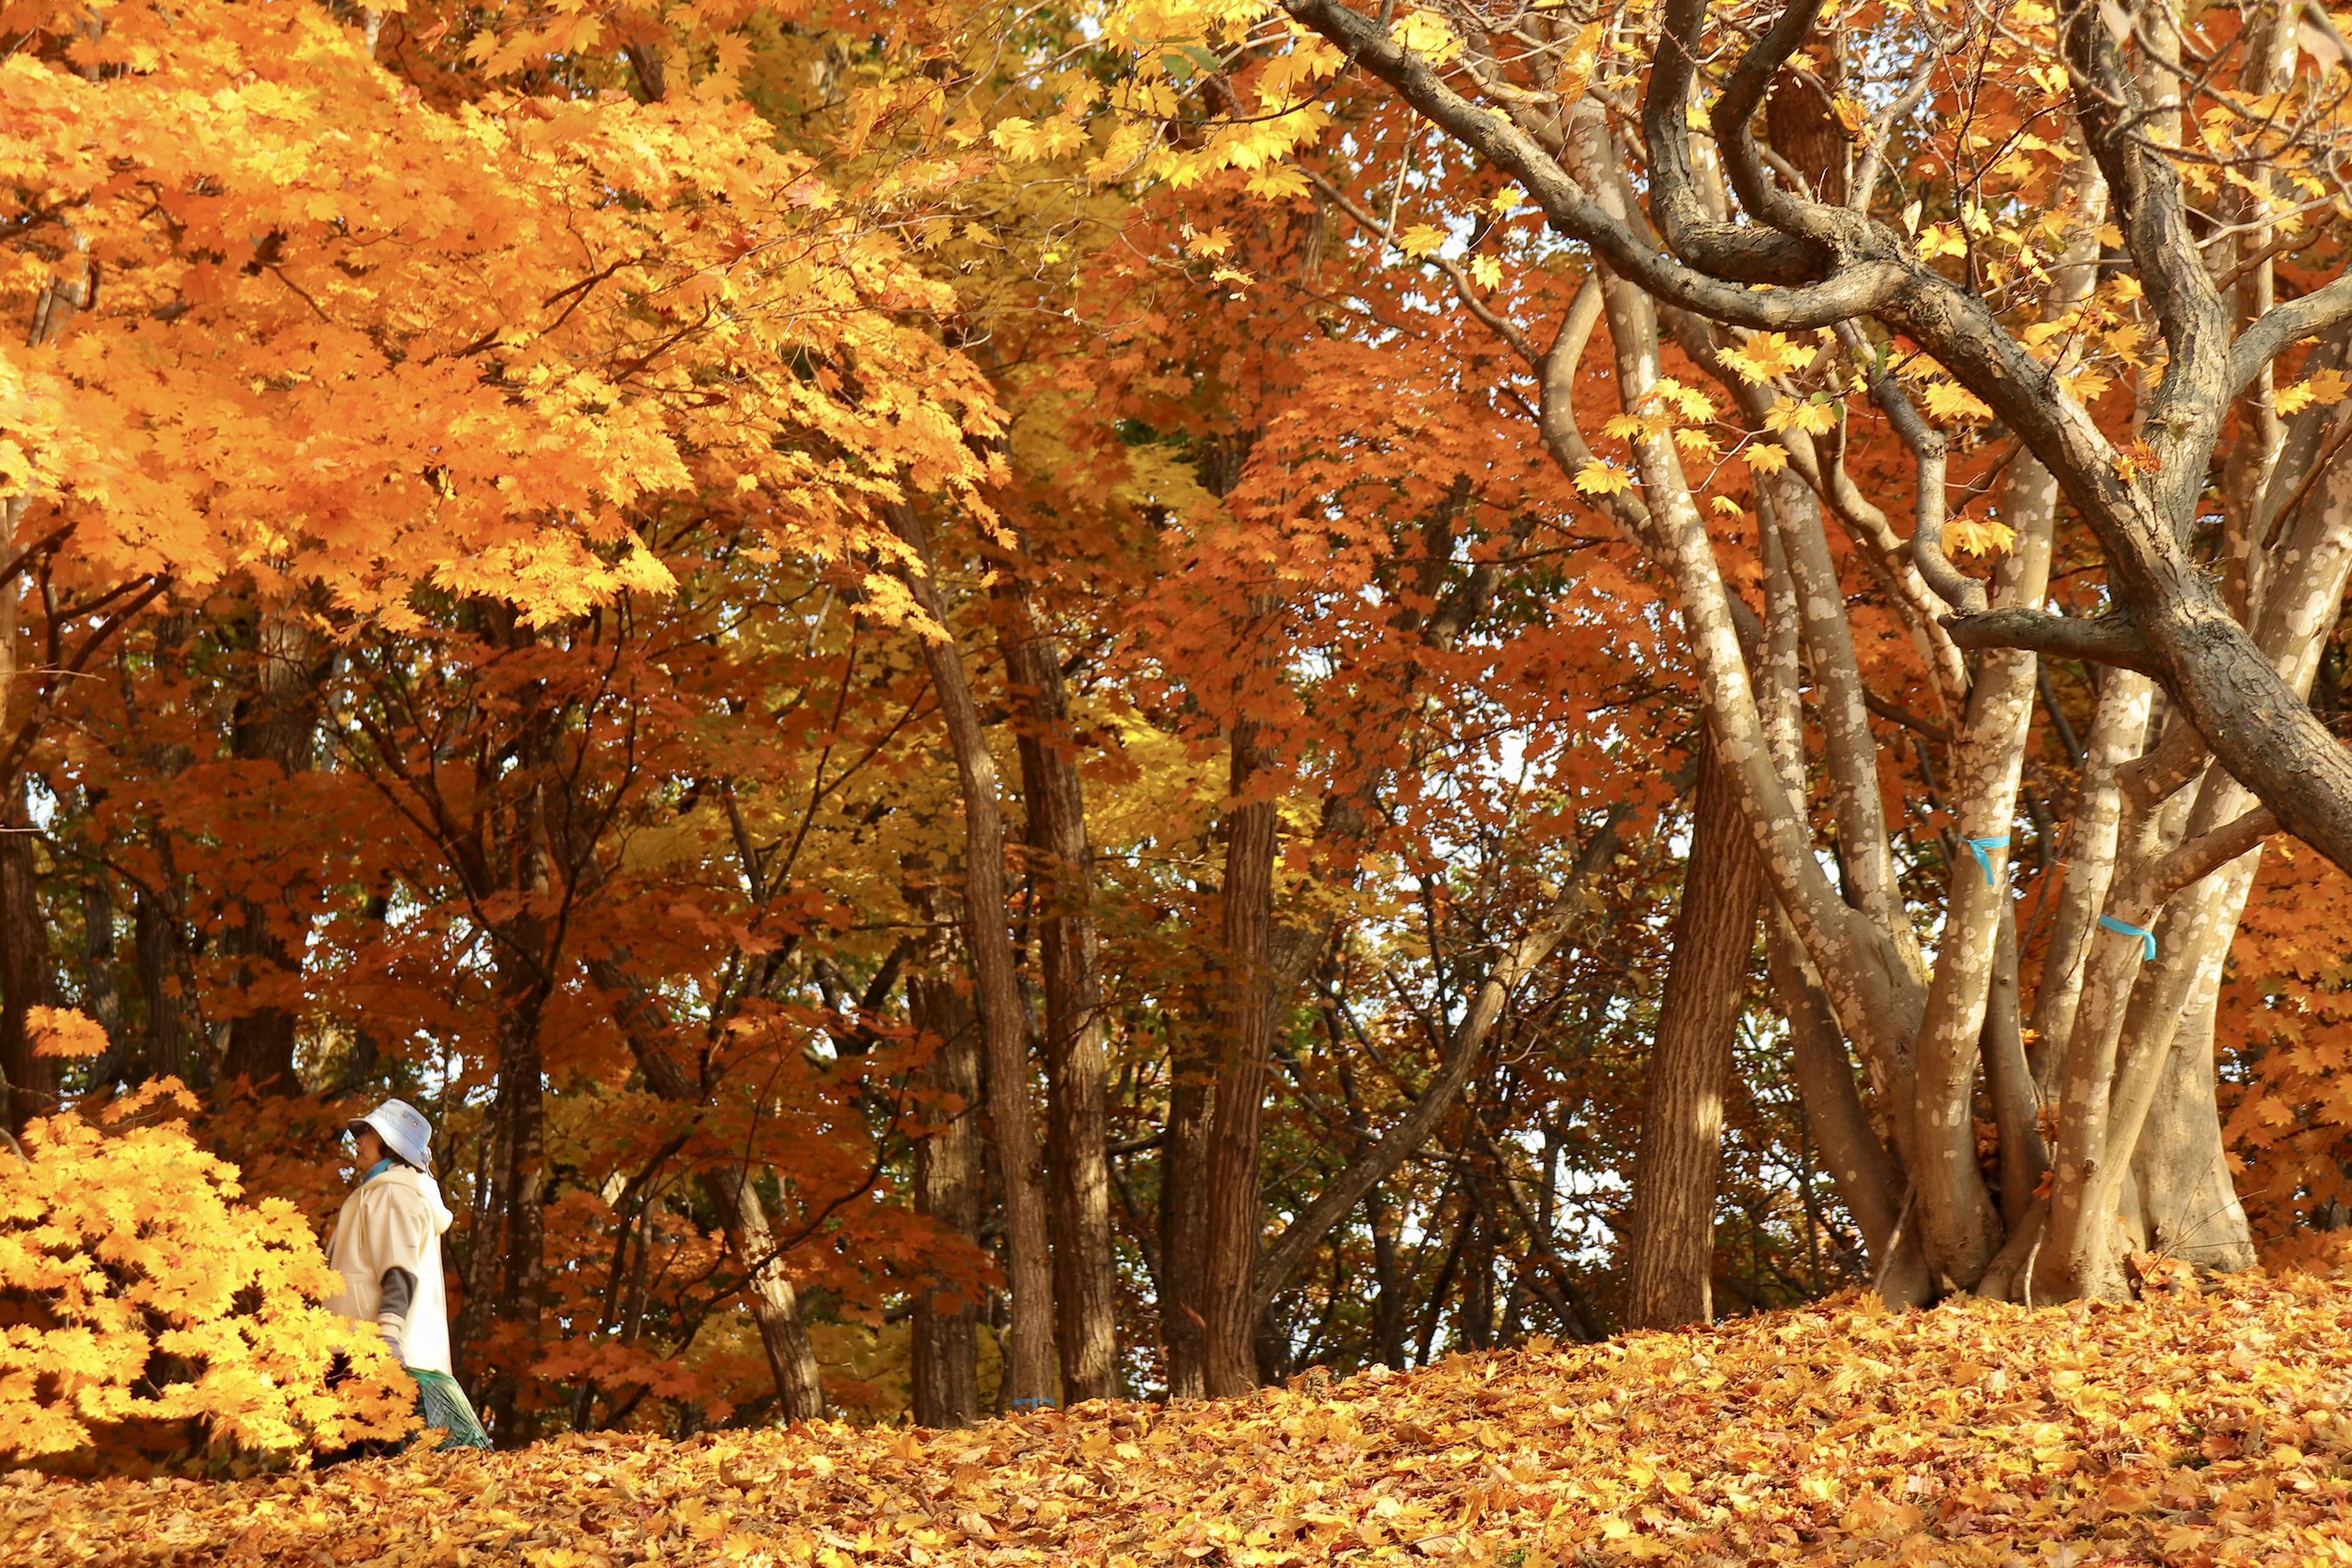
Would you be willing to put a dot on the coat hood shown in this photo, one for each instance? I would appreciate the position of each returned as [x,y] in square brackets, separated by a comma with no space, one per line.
[424,1187]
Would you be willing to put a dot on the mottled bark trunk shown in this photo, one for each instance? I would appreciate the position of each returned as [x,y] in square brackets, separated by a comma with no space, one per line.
[1004,1035]
[1234,1217]
[1077,1120]
[950,1180]
[775,1304]
[1670,1248]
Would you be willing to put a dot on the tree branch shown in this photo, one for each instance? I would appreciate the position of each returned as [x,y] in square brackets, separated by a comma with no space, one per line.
[2103,639]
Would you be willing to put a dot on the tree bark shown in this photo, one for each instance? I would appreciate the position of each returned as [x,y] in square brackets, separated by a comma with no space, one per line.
[1184,1207]
[26,977]
[949,1182]
[734,1197]
[792,1359]
[276,723]
[1234,1216]
[1077,1120]
[1029,1345]
[1670,1253]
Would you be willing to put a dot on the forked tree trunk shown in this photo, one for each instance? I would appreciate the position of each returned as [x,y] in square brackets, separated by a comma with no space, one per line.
[1004,1035]
[1077,1115]
[734,1197]
[1670,1252]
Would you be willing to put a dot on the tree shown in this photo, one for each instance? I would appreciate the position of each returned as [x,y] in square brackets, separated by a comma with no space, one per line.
[1731,255]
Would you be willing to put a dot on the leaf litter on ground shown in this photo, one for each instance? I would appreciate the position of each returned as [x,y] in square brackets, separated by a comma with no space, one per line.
[2196,1425]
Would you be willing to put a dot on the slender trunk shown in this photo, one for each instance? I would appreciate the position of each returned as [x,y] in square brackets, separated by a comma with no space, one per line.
[734,1198]
[775,1305]
[276,723]
[26,977]
[1869,1179]
[1184,1209]
[1029,1348]
[1246,1031]
[949,1182]
[520,1108]
[1671,1249]
[101,987]
[1077,1118]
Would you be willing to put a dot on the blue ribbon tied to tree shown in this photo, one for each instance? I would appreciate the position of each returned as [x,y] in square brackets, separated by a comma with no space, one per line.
[1978,847]
[2146,937]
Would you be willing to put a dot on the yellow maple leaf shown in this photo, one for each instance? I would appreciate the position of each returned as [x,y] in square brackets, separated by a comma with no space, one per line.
[1973,536]
[1600,478]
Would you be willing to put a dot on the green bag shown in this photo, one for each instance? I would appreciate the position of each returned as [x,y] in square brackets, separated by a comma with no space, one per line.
[443,1403]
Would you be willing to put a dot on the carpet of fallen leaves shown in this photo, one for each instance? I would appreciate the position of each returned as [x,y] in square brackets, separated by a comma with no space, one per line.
[2190,1427]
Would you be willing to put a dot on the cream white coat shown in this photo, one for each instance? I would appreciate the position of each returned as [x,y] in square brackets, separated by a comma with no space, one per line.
[395,1221]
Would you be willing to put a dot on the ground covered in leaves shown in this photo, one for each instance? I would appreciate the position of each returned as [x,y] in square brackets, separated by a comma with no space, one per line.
[2190,1427]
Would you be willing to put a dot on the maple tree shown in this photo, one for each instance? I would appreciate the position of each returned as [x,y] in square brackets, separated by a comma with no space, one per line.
[1003,708]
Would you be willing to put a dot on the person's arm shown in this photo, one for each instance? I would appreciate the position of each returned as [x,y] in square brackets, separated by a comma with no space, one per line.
[391,1314]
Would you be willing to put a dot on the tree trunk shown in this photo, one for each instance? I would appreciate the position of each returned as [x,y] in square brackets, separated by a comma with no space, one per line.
[1245,1037]
[1184,1208]
[949,1182]
[1077,1120]
[172,1044]
[734,1198]
[1029,1348]
[1869,1179]
[26,980]
[775,1305]
[101,987]
[278,722]
[1671,1249]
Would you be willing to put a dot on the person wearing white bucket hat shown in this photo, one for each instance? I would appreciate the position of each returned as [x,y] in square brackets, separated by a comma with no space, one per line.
[386,1244]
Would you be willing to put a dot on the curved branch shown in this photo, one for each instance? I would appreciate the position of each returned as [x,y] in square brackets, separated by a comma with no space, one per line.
[1861,286]
[1738,251]
[2105,639]
[1375,1164]
[2284,326]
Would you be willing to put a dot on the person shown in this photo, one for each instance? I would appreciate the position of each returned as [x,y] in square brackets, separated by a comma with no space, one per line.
[386,1244]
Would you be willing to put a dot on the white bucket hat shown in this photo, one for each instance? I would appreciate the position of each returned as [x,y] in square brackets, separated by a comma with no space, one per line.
[403,1129]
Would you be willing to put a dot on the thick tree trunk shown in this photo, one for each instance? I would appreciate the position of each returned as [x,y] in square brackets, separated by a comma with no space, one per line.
[1671,1247]
[1077,1120]
[1246,1031]
[101,987]
[1029,1345]
[276,722]
[949,1181]
[173,1043]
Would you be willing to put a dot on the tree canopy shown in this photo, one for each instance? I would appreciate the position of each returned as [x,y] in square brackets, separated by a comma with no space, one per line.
[999,707]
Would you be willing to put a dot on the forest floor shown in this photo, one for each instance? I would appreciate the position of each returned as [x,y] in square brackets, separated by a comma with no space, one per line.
[2193,1427]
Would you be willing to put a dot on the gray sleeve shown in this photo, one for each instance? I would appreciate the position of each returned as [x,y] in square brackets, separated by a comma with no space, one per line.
[399,1292]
